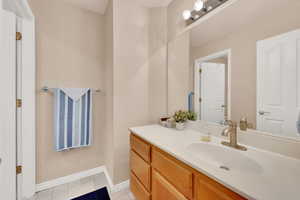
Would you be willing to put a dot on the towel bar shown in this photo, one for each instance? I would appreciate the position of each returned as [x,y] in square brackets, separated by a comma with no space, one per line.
[47,89]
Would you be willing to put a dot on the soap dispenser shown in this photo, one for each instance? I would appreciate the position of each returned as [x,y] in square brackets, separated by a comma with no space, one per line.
[243,124]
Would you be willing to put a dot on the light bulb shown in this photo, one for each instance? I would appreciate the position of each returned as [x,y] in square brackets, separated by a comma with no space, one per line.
[186,14]
[199,4]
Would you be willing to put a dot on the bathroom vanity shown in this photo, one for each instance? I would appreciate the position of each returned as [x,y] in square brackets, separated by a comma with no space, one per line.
[158,174]
[167,164]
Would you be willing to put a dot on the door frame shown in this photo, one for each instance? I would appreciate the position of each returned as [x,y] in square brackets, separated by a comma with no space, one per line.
[197,66]
[8,105]
[24,150]
[27,92]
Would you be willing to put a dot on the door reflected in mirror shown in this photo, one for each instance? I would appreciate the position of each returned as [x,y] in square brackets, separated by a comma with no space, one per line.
[211,87]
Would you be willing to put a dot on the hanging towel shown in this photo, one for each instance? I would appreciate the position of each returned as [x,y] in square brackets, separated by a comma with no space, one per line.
[72,118]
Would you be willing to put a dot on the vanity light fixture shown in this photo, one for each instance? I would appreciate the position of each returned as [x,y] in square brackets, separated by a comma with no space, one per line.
[186,14]
[199,4]
[201,8]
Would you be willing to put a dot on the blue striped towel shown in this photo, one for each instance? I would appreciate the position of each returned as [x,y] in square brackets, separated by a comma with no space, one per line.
[72,118]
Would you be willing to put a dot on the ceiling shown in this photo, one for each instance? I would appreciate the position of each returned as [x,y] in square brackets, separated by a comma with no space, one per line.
[232,18]
[99,6]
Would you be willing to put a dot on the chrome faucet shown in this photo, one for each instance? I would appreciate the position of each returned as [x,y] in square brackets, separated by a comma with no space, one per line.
[231,131]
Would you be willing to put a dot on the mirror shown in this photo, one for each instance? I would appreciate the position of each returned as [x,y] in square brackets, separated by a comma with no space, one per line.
[239,64]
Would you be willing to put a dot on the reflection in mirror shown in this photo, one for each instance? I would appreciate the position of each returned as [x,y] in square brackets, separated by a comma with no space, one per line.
[241,63]
[211,87]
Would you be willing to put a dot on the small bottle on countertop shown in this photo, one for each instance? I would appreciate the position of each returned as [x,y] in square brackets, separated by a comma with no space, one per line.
[244,124]
[206,138]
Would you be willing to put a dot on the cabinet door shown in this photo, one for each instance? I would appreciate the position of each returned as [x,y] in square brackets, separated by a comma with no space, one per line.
[175,172]
[140,169]
[208,189]
[138,190]
[140,147]
[163,190]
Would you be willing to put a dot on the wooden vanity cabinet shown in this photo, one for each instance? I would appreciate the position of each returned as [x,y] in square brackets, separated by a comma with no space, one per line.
[163,190]
[140,147]
[140,169]
[156,175]
[175,172]
[138,189]
[208,189]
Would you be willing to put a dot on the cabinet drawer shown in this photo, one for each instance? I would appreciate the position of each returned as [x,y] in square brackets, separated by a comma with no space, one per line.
[163,190]
[141,169]
[137,189]
[175,173]
[140,147]
[208,189]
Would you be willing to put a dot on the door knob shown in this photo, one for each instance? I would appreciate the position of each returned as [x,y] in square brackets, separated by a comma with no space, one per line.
[263,112]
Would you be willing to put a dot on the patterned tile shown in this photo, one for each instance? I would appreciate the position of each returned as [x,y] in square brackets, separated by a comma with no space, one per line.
[100,181]
[45,195]
[121,195]
[74,189]
[61,192]
[81,187]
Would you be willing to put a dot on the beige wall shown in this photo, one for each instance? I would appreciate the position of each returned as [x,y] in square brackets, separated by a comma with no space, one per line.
[130,78]
[243,45]
[178,73]
[109,64]
[70,53]
[123,53]
[157,55]
[176,24]
[139,75]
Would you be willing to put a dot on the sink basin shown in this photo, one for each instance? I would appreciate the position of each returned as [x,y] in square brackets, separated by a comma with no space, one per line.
[224,158]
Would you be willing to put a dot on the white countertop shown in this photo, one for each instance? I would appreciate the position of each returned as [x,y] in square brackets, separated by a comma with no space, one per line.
[278,177]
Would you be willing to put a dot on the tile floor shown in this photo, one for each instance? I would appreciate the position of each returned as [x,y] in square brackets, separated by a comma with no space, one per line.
[80,187]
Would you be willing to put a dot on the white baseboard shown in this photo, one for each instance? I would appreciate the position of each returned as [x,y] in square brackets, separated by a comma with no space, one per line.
[73,177]
[109,180]
[117,187]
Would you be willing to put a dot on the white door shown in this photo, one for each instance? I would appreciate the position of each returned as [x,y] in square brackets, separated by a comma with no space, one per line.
[7,106]
[278,84]
[212,86]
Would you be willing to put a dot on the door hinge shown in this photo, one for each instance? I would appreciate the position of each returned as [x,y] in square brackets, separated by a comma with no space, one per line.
[19,103]
[18,36]
[19,169]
